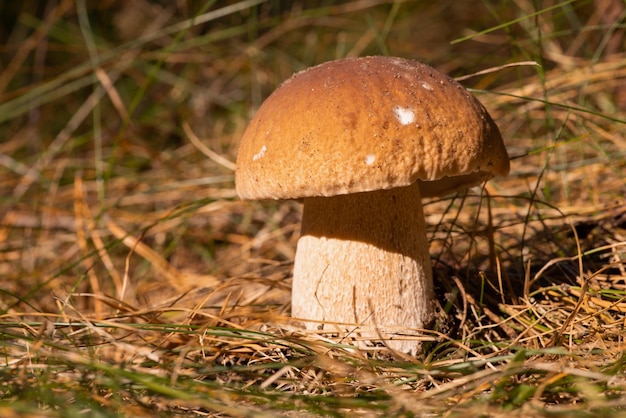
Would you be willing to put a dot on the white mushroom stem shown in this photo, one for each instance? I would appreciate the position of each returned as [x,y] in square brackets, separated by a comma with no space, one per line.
[362,265]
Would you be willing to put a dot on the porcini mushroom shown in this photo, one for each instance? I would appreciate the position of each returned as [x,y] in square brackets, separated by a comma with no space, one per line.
[361,140]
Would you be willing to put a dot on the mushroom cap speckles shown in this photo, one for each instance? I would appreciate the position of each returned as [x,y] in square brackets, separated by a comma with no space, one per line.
[405,115]
[259,154]
[363,124]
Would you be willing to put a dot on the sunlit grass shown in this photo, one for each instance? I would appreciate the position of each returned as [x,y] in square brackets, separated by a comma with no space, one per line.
[134,282]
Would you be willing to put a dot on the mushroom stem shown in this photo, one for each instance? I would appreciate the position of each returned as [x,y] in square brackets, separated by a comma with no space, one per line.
[362,265]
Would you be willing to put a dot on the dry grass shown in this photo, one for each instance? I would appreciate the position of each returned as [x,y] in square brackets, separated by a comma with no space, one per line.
[134,282]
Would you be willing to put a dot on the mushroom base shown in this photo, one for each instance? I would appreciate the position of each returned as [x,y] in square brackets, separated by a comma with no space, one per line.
[362,267]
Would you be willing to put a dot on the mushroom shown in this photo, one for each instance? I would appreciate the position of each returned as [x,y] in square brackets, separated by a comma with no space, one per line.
[361,140]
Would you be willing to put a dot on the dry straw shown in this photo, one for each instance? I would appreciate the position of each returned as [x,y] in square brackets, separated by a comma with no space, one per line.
[134,282]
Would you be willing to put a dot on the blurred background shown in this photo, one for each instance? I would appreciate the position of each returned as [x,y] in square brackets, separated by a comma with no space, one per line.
[120,120]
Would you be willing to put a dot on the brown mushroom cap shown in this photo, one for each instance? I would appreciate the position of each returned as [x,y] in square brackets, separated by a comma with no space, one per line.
[363,124]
